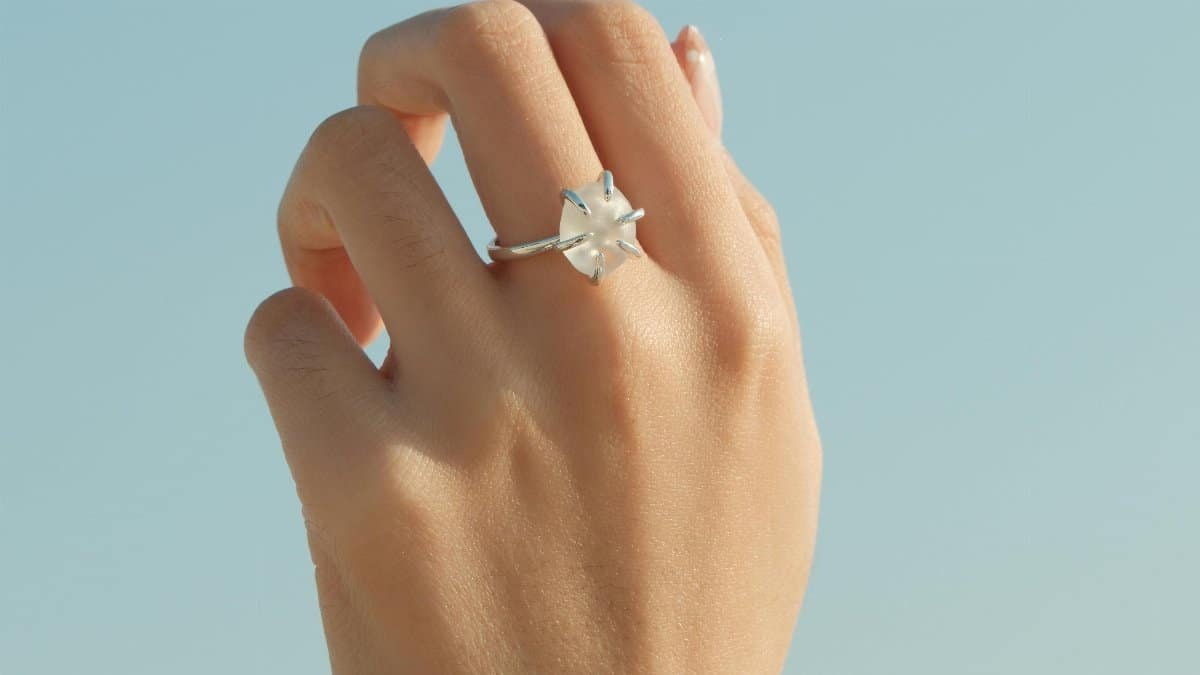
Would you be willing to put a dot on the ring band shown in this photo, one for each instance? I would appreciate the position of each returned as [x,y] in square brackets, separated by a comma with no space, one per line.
[597,231]
[531,248]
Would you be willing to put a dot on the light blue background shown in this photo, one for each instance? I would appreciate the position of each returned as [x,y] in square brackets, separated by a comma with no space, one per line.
[990,215]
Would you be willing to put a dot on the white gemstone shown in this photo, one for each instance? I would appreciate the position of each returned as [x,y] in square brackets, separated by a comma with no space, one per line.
[602,224]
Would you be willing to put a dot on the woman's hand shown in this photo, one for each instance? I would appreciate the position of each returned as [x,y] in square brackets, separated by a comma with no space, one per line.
[545,476]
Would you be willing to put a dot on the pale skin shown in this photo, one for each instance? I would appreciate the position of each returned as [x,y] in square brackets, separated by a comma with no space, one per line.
[545,476]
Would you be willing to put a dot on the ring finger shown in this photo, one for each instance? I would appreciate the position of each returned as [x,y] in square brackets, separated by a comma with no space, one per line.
[489,65]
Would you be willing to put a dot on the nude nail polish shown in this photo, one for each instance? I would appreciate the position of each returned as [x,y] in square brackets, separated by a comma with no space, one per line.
[701,72]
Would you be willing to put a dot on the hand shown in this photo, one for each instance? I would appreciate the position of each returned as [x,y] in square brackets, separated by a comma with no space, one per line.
[544,476]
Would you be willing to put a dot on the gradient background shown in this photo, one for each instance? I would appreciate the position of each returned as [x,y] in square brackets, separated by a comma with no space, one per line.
[990,213]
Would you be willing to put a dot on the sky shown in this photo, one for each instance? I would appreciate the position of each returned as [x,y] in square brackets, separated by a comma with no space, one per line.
[990,216]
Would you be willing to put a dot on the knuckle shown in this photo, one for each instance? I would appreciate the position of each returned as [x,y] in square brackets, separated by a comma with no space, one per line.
[275,332]
[628,32]
[368,141]
[762,214]
[765,221]
[485,32]
[751,332]
[349,132]
[374,51]
[281,346]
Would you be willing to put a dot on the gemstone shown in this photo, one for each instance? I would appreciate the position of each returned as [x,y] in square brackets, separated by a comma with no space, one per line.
[601,222]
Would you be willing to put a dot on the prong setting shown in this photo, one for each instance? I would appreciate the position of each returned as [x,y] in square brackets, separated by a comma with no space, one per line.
[598,271]
[597,231]
[631,217]
[574,198]
[630,248]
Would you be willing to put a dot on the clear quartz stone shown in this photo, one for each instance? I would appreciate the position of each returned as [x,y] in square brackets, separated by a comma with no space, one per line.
[602,224]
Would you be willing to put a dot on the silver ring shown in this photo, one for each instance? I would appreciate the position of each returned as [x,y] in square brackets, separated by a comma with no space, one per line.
[597,231]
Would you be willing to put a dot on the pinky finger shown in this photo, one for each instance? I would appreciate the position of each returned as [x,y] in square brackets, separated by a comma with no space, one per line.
[696,61]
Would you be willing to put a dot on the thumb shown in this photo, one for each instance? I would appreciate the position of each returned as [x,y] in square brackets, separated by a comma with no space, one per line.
[321,387]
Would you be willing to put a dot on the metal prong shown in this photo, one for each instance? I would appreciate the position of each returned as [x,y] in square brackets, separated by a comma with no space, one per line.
[568,244]
[629,248]
[607,179]
[598,273]
[632,216]
[575,199]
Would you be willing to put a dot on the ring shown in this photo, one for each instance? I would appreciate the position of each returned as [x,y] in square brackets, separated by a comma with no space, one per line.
[597,231]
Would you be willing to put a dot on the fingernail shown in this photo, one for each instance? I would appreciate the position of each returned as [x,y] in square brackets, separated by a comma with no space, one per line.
[697,62]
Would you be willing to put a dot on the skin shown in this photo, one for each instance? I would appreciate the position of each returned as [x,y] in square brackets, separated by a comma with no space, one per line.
[544,476]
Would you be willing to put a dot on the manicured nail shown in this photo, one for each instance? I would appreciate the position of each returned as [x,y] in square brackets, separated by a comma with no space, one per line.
[697,62]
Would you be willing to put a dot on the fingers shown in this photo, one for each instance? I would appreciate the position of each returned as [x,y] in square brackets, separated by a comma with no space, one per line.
[645,126]
[695,59]
[361,184]
[318,382]
[489,65]
[765,223]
